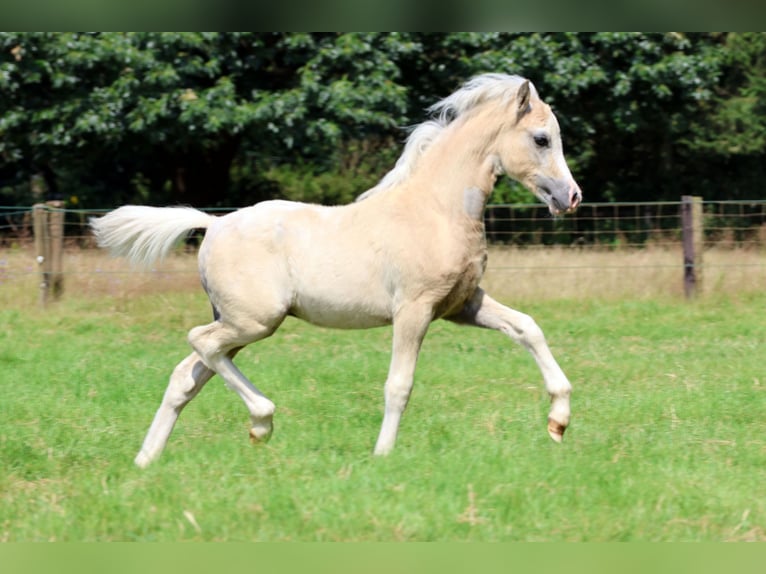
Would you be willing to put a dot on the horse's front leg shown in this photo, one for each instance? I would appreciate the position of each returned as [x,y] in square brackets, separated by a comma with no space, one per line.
[483,311]
[410,326]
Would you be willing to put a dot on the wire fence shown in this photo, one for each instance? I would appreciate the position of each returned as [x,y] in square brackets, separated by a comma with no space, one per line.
[604,249]
[612,225]
[627,225]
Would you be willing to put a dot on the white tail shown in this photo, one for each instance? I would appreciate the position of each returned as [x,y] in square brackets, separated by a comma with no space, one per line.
[146,234]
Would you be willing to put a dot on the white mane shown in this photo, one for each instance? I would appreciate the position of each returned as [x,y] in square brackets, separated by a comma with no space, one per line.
[476,91]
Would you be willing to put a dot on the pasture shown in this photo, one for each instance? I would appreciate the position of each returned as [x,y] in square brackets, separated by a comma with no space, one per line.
[667,438]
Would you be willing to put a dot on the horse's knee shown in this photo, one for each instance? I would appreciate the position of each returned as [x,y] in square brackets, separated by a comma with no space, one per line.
[525,330]
[534,335]
[397,393]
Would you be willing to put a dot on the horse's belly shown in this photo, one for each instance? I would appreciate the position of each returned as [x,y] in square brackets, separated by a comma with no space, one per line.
[340,313]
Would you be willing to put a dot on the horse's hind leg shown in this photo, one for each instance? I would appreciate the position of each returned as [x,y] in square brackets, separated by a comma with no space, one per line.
[187,379]
[217,343]
[483,311]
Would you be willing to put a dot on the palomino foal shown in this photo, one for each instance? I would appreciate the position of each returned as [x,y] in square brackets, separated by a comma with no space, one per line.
[407,252]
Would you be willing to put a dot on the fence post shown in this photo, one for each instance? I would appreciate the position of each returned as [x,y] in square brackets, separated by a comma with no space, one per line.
[56,236]
[48,225]
[40,226]
[692,228]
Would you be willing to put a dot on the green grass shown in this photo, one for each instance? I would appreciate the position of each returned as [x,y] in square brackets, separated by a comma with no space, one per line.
[666,443]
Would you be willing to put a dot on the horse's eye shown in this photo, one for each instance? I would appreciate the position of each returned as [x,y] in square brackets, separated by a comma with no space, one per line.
[542,141]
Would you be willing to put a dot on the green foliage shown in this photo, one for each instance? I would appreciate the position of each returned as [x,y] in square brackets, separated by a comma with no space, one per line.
[179,107]
[302,182]
[510,191]
[623,100]
[201,118]
[360,165]
[737,126]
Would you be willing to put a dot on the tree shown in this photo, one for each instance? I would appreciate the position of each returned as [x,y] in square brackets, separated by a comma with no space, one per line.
[730,139]
[171,111]
[232,118]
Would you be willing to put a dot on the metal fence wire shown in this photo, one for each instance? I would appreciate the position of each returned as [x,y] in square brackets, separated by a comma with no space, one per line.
[603,250]
[604,225]
[626,225]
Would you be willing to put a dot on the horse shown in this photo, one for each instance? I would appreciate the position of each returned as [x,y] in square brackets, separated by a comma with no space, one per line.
[407,252]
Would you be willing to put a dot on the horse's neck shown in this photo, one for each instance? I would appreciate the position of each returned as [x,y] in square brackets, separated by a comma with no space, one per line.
[459,172]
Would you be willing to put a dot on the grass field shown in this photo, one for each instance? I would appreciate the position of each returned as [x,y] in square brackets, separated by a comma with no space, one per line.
[667,440]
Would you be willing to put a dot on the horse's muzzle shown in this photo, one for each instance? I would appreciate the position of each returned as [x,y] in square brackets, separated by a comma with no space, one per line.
[575,197]
[561,196]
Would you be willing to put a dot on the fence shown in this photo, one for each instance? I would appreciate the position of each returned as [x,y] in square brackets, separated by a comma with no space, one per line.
[624,228]
[627,225]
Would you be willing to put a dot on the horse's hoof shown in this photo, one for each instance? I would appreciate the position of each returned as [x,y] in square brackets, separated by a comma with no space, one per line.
[142,460]
[556,430]
[261,436]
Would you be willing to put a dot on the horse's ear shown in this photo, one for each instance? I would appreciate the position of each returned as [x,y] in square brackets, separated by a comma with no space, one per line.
[522,99]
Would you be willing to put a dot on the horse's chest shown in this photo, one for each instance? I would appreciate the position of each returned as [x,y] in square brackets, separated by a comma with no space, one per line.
[462,284]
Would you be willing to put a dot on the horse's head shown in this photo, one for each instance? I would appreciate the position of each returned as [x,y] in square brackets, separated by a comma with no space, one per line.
[531,152]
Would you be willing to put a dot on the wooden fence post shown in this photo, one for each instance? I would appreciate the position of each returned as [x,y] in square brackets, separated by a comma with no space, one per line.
[56,236]
[693,243]
[48,224]
[40,225]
